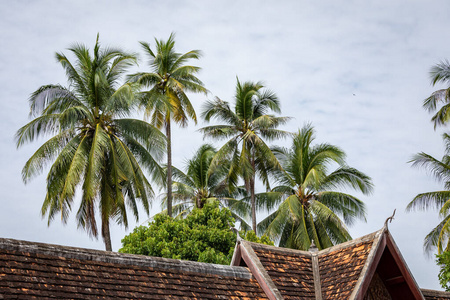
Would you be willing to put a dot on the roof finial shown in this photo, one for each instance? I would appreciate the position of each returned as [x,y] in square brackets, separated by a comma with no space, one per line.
[313,247]
[238,237]
[389,219]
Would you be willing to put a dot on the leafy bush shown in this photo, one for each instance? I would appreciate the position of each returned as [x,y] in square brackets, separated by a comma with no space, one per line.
[204,235]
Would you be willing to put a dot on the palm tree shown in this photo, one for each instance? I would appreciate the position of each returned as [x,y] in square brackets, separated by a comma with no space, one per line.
[245,128]
[93,147]
[439,236]
[201,184]
[439,73]
[166,99]
[198,185]
[310,207]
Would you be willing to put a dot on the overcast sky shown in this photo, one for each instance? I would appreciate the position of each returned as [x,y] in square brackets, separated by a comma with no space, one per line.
[358,70]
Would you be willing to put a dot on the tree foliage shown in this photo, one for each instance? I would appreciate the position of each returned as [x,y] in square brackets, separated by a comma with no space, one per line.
[202,183]
[204,235]
[166,100]
[439,237]
[245,128]
[439,101]
[93,147]
[311,207]
[199,184]
[443,261]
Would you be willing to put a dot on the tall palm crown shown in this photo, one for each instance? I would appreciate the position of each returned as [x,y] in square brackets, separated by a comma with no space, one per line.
[310,208]
[166,100]
[440,73]
[93,146]
[439,237]
[245,129]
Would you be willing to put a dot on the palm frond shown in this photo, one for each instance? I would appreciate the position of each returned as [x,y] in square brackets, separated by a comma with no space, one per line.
[429,200]
[438,169]
[219,110]
[46,153]
[348,177]
[347,206]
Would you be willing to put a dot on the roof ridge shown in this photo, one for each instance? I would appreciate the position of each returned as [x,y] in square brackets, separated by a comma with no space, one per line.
[276,248]
[434,293]
[124,258]
[340,246]
[316,275]
[365,238]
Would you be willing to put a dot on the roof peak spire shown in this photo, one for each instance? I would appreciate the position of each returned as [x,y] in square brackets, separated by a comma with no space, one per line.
[389,220]
[313,247]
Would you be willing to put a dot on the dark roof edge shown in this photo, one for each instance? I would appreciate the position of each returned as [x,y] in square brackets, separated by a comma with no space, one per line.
[410,280]
[434,293]
[122,258]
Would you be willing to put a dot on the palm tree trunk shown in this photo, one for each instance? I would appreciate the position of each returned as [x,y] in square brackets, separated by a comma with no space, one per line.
[106,234]
[252,190]
[199,202]
[169,169]
[253,202]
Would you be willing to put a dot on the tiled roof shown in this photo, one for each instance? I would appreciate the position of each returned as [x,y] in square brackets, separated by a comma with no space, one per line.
[291,273]
[340,269]
[435,295]
[367,268]
[30,270]
[349,270]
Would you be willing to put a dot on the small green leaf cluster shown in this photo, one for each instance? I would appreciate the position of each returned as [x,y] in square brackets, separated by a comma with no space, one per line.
[204,236]
[443,261]
[252,237]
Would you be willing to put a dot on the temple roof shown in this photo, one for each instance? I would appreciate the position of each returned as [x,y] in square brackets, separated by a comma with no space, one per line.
[350,270]
[30,270]
[370,267]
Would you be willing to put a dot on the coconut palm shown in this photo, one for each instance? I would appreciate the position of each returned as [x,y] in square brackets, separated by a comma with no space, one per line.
[439,73]
[311,208]
[438,238]
[245,129]
[93,147]
[200,185]
[166,99]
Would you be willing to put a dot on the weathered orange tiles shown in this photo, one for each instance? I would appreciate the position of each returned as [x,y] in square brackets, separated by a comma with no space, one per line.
[31,275]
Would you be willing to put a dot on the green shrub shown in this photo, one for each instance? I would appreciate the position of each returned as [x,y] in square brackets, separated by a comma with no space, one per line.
[204,235]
